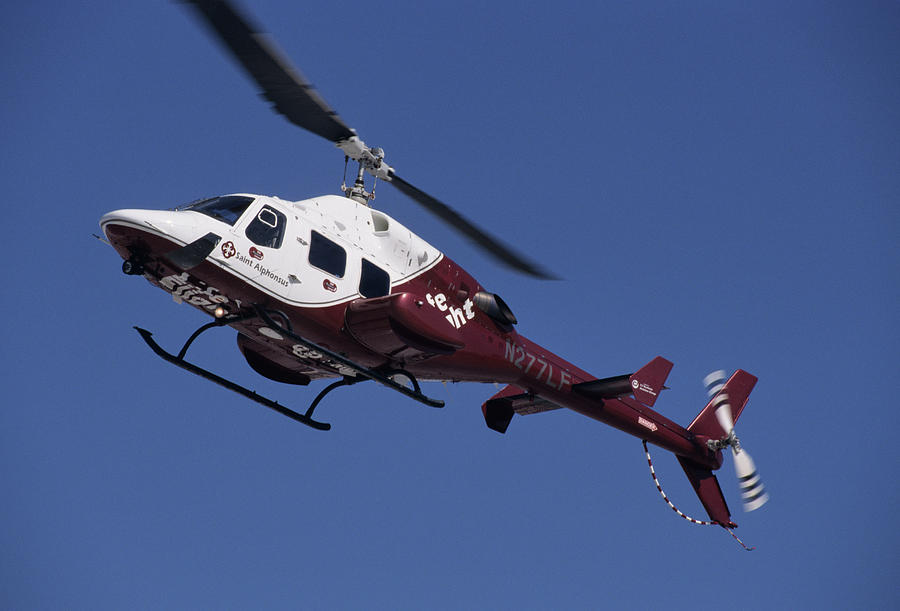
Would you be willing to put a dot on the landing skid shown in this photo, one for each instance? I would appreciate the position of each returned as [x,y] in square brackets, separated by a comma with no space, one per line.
[362,373]
[179,361]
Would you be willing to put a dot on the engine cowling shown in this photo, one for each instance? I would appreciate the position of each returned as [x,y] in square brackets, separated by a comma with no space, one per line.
[402,327]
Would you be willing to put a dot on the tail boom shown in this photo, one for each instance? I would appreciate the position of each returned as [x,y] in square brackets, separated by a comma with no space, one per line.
[633,417]
[623,402]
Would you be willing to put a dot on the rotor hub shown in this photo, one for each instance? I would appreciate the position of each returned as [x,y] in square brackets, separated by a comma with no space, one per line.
[729,441]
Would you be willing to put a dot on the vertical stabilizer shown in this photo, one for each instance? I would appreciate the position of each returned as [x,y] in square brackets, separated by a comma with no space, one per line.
[648,381]
[707,488]
[738,388]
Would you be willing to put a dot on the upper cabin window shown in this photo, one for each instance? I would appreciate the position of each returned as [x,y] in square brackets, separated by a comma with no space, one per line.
[267,229]
[326,255]
[373,281]
[227,208]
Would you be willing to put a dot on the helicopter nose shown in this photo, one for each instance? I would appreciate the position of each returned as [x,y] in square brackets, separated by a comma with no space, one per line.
[164,223]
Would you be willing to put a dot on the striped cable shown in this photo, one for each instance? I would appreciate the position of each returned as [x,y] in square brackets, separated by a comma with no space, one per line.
[678,511]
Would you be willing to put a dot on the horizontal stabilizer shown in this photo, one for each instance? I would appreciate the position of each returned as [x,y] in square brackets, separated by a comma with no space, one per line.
[605,388]
[499,409]
[645,384]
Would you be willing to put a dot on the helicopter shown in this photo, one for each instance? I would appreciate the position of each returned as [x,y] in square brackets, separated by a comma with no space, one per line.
[329,288]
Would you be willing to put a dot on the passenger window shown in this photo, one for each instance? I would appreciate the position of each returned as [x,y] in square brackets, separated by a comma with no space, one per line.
[326,255]
[374,281]
[267,229]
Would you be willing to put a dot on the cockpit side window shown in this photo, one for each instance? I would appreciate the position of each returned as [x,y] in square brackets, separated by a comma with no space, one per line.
[227,208]
[267,229]
[373,281]
[326,255]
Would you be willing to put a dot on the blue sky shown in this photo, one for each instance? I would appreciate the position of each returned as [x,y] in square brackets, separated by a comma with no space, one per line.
[718,184]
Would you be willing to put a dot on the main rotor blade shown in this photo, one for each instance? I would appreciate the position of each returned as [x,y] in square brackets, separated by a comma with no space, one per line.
[294,97]
[282,84]
[489,244]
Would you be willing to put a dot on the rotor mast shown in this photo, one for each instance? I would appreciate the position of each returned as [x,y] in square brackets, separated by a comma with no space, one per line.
[369,159]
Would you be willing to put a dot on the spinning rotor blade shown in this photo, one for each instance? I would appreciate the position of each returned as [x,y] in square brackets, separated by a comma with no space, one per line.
[291,94]
[753,493]
[490,245]
[295,98]
[714,382]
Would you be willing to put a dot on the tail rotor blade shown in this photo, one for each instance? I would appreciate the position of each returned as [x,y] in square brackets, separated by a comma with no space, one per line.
[753,493]
[714,383]
[723,414]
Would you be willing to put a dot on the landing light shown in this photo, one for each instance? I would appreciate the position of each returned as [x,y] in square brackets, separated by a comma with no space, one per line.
[219,312]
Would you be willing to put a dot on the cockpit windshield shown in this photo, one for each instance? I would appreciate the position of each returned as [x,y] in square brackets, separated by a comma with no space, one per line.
[226,208]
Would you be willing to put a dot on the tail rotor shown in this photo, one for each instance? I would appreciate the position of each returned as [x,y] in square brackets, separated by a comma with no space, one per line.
[753,492]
